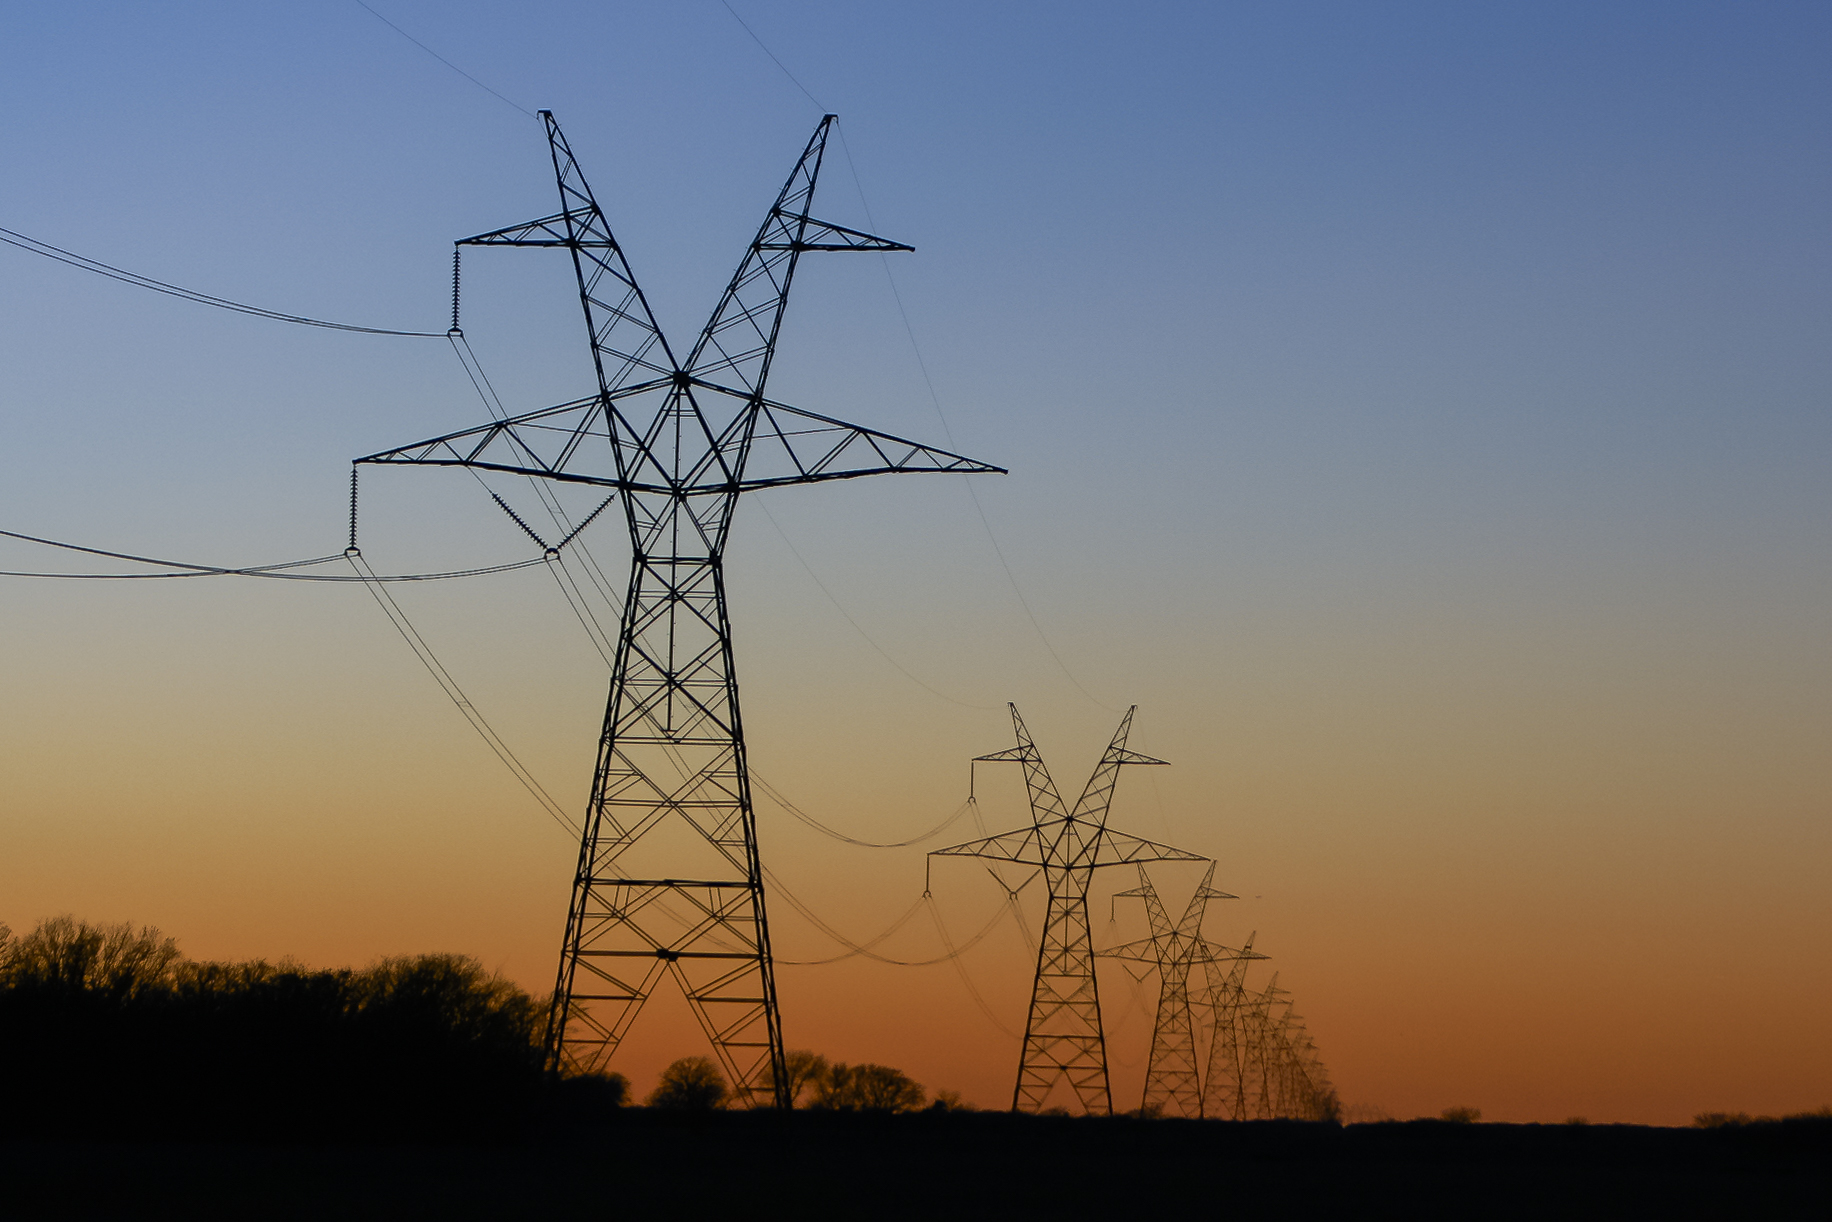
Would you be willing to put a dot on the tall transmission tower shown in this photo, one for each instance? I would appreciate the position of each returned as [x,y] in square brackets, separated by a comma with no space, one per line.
[668,881]
[1173,1083]
[1063,1039]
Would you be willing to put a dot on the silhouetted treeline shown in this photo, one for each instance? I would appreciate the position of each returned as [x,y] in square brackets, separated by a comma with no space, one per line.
[694,1084]
[110,1032]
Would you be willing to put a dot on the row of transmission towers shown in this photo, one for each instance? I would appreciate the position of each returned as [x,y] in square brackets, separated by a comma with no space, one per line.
[1257,1061]
[1260,1063]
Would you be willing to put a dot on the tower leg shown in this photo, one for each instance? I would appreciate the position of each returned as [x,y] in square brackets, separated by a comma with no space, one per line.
[1063,1041]
[668,881]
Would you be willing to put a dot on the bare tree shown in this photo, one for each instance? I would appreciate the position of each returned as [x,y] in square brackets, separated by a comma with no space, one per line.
[691,1084]
[116,960]
[804,1071]
[868,1088]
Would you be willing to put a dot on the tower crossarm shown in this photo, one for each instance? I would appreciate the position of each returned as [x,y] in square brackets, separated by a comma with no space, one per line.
[1113,848]
[551,442]
[1144,950]
[792,446]
[1032,846]
[571,228]
[573,442]
[825,235]
[1022,846]
[1209,953]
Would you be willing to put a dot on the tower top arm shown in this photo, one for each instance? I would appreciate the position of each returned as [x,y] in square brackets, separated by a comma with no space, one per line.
[1058,836]
[726,437]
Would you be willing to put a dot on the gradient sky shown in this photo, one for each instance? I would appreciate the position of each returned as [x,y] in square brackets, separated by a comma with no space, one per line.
[1418,410]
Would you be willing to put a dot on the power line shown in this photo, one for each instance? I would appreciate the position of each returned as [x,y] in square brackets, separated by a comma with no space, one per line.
[960,969]
[448,63]
[865,948]
[781,800]
[935,400]
[954,952]
[449,686]
[275,572]
[901,669]
[85,263]
[766,50]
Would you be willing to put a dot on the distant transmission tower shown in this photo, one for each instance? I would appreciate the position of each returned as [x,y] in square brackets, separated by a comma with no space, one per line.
[1063,1040]
[1225,1080]
[668,879]
[1173,1083]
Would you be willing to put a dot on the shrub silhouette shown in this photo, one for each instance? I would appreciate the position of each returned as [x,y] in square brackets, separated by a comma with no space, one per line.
[1722,1120]
[867,1088]
[691,1084]
[1461,1115]
[110,1021]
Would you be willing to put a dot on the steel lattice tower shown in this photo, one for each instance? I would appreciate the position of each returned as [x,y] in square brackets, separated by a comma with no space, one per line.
[1224,1081]
[1173,1086]
[668,881]
[1063,1040]
[1262,1054]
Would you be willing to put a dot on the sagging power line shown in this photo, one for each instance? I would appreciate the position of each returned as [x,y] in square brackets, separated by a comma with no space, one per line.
[85,263]
[284,571]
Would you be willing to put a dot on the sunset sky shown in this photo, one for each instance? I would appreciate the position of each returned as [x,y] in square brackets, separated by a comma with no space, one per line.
[1418,410]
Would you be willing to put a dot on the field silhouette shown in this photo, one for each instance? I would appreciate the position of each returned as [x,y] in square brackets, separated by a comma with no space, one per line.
[111,1030]
[132,1078]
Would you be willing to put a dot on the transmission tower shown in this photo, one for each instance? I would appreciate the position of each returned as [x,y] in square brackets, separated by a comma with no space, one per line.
[1263,1047]
[1224,1080]
[1173,1085]
[1063,1041]
[1299,1085]
[668,881]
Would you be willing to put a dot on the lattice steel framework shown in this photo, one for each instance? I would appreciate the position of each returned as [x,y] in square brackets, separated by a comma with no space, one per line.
[1063,1040]
[668,880]
[1173,1082]
[1258,1085]
[1285,1077]
[1225,1078]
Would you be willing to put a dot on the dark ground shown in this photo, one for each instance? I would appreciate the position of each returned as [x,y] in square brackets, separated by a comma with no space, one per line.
[652,1164]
